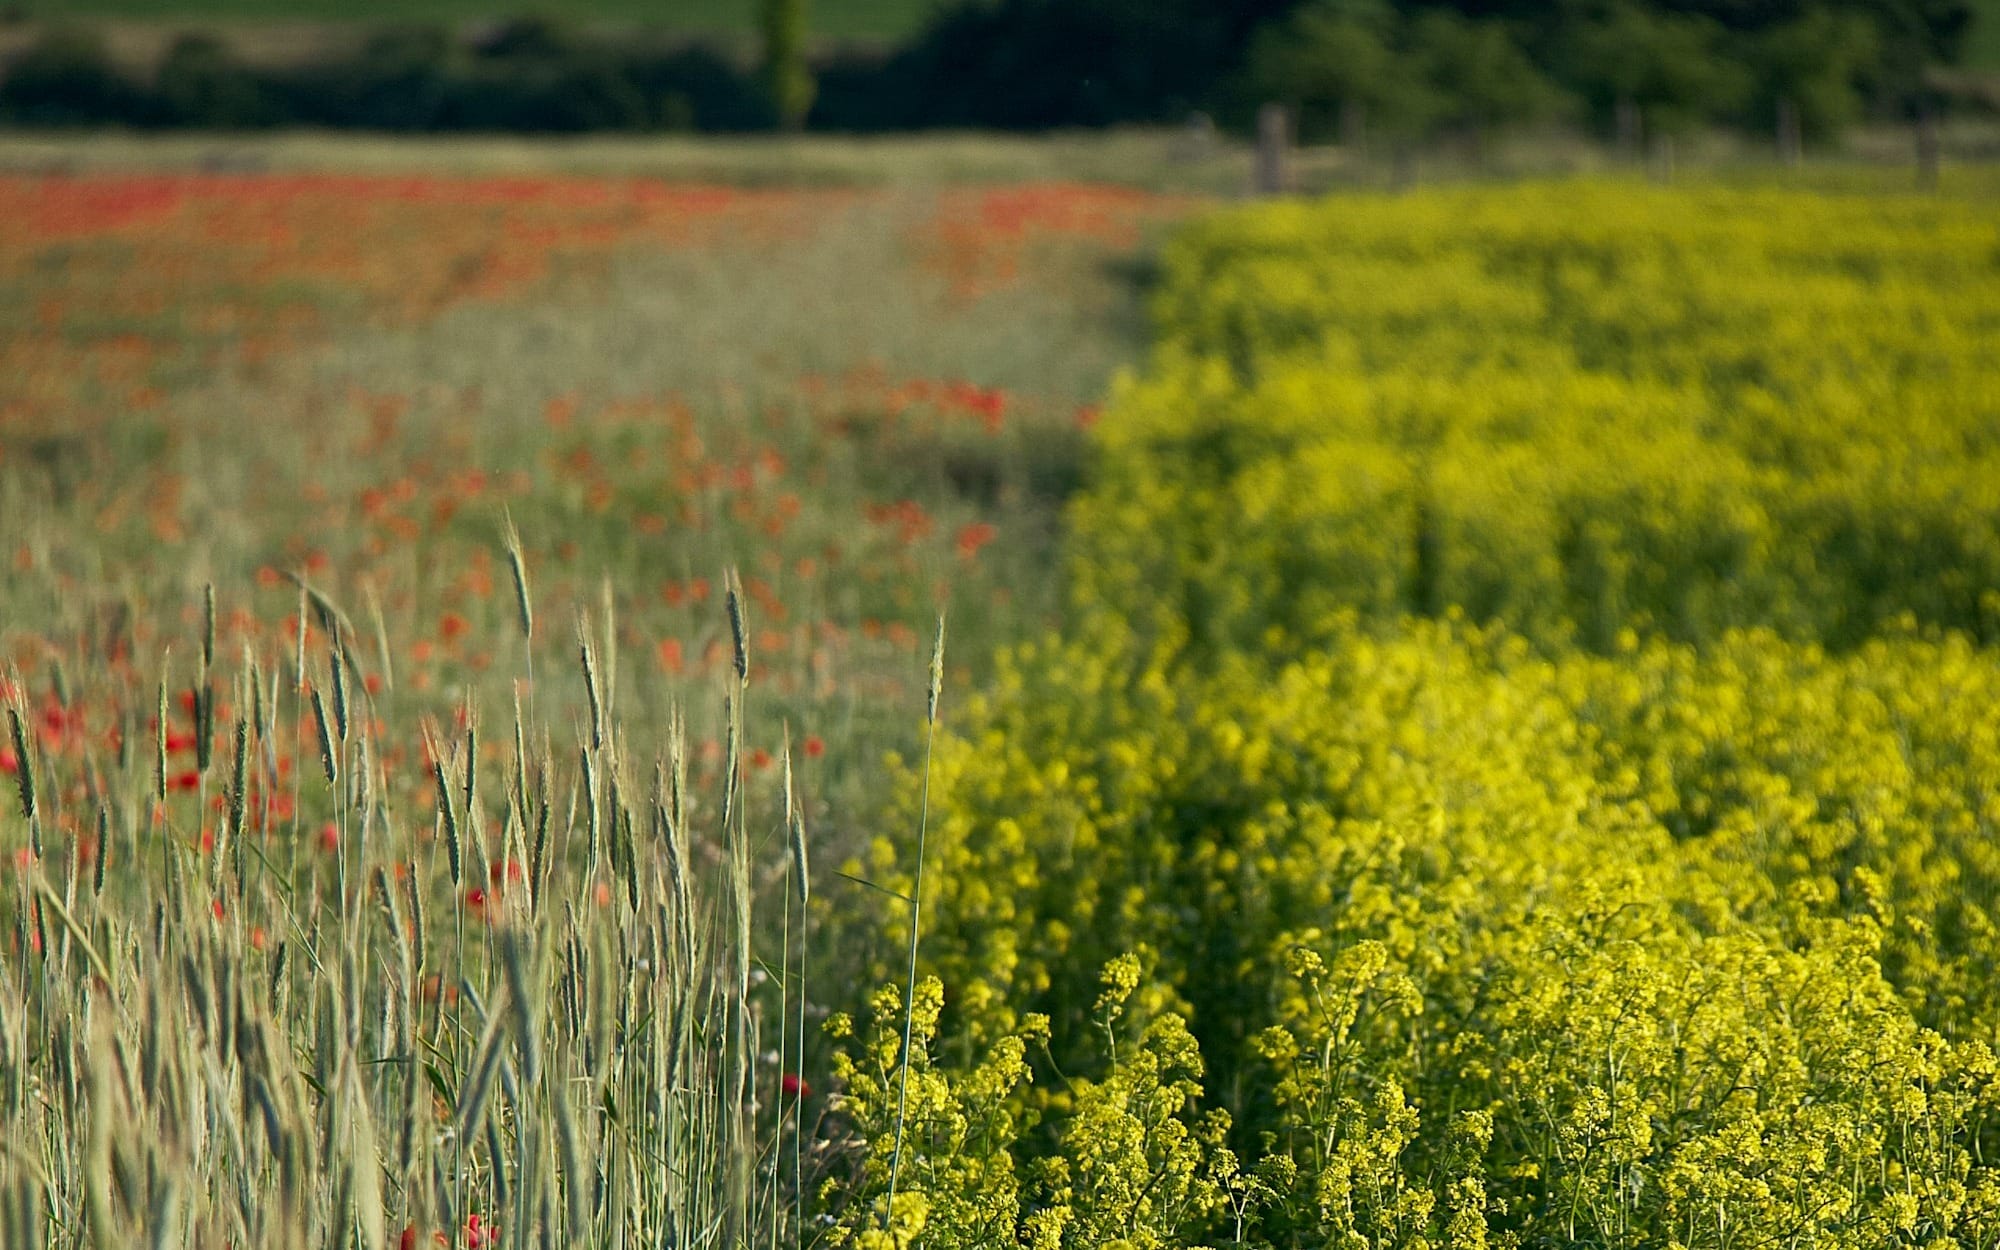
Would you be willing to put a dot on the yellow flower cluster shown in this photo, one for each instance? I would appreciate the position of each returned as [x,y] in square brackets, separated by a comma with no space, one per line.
[1694,930]
[1559,784]
[1573,408]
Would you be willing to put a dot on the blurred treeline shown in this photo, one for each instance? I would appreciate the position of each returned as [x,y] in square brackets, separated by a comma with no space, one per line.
[1401,70]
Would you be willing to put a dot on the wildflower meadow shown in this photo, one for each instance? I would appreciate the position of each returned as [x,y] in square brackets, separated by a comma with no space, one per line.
[597,711]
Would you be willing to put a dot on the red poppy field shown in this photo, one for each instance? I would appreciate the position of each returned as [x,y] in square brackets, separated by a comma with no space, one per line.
[231,382]
[511,561]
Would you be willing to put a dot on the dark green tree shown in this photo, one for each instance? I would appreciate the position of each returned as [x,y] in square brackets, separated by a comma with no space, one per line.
[1484,78]
[1813,70]
[201,84]
[67,77]
[787,77]
[1332,62]
[1668,70]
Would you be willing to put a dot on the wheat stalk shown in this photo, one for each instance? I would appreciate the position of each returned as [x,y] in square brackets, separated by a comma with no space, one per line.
[916,920]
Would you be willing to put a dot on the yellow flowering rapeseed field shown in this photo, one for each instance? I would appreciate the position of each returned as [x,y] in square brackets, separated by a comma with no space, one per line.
[1527,755]
[1575,408]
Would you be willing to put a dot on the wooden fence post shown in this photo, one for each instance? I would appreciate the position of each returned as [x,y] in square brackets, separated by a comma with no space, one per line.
[1927,150]
[1631,131]
[1274,144]
[1791,136]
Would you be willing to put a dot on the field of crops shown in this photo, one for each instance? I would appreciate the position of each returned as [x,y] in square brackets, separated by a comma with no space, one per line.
[328,398]
[1577,410]
[1488,736]
[1530,708]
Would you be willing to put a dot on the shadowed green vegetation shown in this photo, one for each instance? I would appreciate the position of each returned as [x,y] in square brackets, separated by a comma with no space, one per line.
[835,19]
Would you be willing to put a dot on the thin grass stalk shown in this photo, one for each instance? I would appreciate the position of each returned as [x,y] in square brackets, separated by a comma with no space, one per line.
[742,1079]
[916,921]
[795,824]
[384,658]
[799,1099]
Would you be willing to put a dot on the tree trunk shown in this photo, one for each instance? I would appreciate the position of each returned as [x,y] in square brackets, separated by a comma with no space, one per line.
[1274,144]
[1354,126]
[1791,138]
[1631,133]
[1663,159]
[1927,150]
[1403,166]
[1197,138]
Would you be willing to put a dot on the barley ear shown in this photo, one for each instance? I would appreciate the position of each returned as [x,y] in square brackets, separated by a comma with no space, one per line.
[24,770]
[799,863]
[609,653]
[239,782]
[339,684]
[207,627]
[160,739]
[588,654]
[738,632]
[937,673]
[447,818]
[326,756]
[471,758]
[517,563]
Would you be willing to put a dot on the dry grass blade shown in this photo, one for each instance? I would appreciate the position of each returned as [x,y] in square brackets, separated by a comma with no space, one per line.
[54,903]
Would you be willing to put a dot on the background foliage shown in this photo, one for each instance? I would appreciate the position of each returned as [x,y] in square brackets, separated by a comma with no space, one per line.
[1404,70]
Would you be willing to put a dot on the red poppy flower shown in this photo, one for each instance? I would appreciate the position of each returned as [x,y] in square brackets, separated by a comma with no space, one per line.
[974,536]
